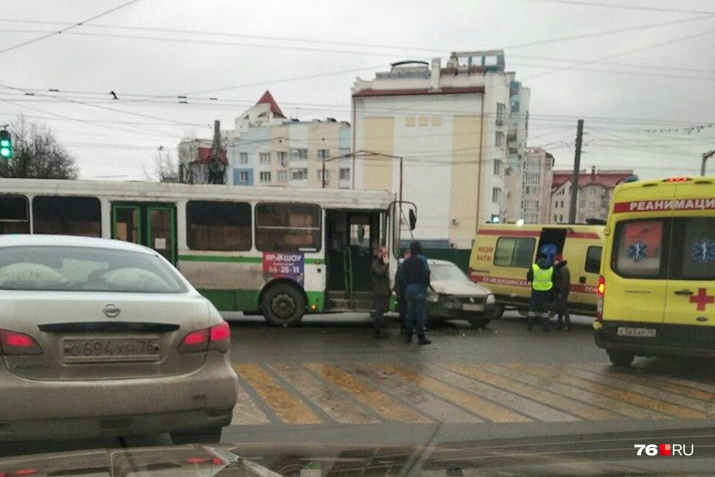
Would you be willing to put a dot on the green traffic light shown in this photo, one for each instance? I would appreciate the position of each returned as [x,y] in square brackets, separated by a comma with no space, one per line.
[5,145]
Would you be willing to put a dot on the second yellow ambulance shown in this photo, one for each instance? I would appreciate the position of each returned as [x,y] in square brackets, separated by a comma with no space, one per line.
[656,293]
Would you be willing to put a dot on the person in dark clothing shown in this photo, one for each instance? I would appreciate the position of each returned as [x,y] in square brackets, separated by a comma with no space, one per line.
[541,277]
[380,269]
[417,279]
[401,293]
[562,287]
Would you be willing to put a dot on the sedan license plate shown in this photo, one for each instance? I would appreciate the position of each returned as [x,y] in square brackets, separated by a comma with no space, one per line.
[636,332]
[472,307]
[104,350]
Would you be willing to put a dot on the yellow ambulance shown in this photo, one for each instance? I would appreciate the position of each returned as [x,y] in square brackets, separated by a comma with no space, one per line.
[656,293]
[502,254]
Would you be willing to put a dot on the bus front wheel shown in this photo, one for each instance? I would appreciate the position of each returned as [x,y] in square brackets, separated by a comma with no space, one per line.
[283,305]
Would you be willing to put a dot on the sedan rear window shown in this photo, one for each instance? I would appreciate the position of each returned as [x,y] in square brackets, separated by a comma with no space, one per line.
[54,268]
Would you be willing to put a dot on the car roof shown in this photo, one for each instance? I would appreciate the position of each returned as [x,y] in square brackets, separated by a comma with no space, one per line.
[23,240]
[435,261]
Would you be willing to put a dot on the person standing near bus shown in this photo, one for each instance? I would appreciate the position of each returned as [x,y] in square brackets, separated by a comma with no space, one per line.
[417,280]
[381,289]
[401,292]
[541,276]
[562,287]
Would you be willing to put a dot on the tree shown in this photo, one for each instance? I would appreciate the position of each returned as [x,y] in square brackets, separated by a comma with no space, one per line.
[37,154]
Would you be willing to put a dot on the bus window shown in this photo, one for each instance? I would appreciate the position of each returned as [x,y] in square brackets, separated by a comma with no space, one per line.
[67,216]
[219,226]
[14,218]
[288,227]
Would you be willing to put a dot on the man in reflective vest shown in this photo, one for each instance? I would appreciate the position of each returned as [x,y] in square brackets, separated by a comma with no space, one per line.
[541,276]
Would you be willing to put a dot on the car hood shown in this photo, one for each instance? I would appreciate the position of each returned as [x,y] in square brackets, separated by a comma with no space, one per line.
[458,287]
[171,461]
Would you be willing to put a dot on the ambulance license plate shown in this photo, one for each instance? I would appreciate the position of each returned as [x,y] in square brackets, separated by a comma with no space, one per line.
[636,332]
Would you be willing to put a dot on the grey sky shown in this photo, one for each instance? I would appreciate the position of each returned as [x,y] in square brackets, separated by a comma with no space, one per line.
[646,92]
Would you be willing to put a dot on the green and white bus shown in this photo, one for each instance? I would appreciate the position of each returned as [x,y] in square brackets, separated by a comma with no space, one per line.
[275,251]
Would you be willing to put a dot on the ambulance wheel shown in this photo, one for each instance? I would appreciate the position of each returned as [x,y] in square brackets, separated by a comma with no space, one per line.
[621,359]
[283,305]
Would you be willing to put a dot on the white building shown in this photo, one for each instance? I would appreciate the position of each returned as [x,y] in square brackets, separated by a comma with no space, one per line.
[537,166]
[454,130]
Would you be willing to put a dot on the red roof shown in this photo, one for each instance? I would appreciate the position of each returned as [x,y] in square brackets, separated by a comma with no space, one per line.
[603,178]
[205,156]
[267,98]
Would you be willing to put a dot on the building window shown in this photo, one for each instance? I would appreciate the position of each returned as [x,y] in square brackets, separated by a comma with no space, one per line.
[243,176]
[264,158]
[67,216]
[221,226]
[264,176]
[323,154]
[320,175]
[299,174]
[501,109]
[298,154]
[344,173]
[283,158]
[243,158]
[282,176]
[499,139]
[288,227]
[497,167]
[496,195]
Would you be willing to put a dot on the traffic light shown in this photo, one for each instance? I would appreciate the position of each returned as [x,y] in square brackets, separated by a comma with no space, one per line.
[5,144]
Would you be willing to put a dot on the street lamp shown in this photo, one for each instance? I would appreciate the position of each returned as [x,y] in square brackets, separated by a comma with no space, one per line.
[706,155]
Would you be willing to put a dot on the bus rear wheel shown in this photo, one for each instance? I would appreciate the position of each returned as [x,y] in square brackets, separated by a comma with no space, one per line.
[283,305]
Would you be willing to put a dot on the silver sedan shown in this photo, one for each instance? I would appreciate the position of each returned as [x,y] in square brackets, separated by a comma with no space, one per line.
[105,338]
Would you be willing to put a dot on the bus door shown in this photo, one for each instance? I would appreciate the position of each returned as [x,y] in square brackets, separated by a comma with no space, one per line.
[149,224]
[350,239]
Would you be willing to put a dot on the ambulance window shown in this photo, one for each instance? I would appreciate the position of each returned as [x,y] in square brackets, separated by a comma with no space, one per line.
[693,250]
[514,252]
[593,259]
[638,249]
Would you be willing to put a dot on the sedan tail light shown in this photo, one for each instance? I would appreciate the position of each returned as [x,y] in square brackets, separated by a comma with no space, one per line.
[217,337]
[14,343]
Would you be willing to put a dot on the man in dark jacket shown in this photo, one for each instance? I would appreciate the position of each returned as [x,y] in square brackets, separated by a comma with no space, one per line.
[562,287]
[417,279]
[541,277]
[381,288]
[401,292]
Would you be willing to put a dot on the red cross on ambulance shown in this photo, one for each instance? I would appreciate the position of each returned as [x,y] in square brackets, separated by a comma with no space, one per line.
[702,299]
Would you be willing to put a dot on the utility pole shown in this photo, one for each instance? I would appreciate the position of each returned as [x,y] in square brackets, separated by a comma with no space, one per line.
[576,169]
[706,155]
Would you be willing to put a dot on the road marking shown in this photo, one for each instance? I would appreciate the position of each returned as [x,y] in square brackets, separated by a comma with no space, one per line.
[635,386]
[289,408]
[246,411]
[332,402]
[433,406]
[549,381]
[369,396]
[572,406]
[678,386]
[482,407]
[637,399]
